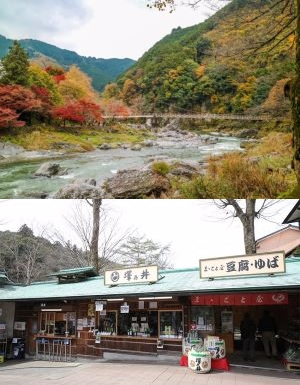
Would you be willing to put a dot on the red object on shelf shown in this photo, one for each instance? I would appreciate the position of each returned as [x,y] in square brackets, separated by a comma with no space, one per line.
[220,364]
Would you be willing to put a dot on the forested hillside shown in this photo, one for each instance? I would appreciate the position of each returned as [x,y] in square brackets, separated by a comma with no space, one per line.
[27,258]
[220,65]
[101,71]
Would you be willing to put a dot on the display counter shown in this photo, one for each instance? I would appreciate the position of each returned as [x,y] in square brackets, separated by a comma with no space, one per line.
[148,345]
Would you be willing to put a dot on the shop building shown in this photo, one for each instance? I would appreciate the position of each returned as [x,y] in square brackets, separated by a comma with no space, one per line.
[149,311]
[286,239]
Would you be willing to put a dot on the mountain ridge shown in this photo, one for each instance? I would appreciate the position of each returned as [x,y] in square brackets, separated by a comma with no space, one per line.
[101,71]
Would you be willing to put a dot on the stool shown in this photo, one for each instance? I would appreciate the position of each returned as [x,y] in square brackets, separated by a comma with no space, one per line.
[57,350]
[43,349]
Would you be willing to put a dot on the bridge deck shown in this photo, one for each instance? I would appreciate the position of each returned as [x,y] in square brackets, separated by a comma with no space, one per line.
[198,116]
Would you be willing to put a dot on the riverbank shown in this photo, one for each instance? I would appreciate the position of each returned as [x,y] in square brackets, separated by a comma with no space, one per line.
[263,170]
[182,163]
[72,139]
[24,174]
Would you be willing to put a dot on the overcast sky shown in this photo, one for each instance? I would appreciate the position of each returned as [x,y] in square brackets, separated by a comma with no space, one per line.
[99,28]
[193,228]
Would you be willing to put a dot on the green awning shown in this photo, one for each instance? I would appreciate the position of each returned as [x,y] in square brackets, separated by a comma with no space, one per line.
[174,282]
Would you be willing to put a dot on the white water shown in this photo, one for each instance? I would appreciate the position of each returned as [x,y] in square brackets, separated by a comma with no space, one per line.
[17,180]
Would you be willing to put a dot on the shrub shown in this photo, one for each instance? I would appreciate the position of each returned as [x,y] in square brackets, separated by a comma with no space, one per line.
[235,175]
[161,168]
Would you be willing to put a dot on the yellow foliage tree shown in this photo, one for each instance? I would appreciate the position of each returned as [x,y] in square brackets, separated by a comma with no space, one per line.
[200,71]
[76,86]
[111,90]
[276,102]
[40,78]
[129,91]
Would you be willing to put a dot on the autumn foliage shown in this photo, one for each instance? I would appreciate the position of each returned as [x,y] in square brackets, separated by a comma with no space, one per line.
[53,93]
[9,118]
[57,73]
[115,107]
[15,100]
[81,111]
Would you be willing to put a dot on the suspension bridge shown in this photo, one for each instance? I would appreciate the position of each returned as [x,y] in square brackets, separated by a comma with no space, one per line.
[206,116]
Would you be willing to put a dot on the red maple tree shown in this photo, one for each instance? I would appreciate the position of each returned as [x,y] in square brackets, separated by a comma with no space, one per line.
[15,101]
[81,111]
[57,73]
[9,118]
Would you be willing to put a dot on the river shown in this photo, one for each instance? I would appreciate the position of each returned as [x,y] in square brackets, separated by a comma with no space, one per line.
[17,179]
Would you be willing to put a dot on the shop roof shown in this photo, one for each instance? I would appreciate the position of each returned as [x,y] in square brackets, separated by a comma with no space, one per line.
[172,282]
[294,215]
[3,278]
[74,275]
[88,271]
[283,230]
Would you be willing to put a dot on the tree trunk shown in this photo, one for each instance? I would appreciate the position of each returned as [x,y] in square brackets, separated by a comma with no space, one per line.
[249,235]
[296,99]
[95,233]
[247,218]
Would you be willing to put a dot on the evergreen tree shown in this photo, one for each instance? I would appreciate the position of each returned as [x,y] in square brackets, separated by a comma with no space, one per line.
[139,251]
[15,66]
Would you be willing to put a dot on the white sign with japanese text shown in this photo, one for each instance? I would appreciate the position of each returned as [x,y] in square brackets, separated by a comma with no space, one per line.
[143,274]
[124,309]
[251,264]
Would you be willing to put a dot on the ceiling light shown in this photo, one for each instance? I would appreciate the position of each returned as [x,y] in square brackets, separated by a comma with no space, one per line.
[149,298]
[114,299]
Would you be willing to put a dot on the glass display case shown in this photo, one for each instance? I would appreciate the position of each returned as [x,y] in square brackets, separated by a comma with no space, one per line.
[137,324]
[170,324]
[227,321]
[203,319]
[108,323]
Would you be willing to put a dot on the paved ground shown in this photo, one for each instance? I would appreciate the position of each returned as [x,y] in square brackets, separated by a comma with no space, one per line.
[134,372]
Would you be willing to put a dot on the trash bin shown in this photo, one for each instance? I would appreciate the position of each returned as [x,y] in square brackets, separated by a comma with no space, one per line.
[18,348]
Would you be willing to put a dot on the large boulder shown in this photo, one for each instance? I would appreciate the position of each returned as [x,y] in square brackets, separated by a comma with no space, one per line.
[248,133]
[148,143]
[136,147]
[80,189]
[135,184]
[184,169]
[50,169]
[105,146]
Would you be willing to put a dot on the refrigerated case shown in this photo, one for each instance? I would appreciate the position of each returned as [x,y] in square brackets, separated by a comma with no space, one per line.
[170,324]
[203,319]
[227,321]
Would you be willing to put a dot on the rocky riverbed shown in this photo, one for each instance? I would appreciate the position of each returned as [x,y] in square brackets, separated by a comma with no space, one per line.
[107,171]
